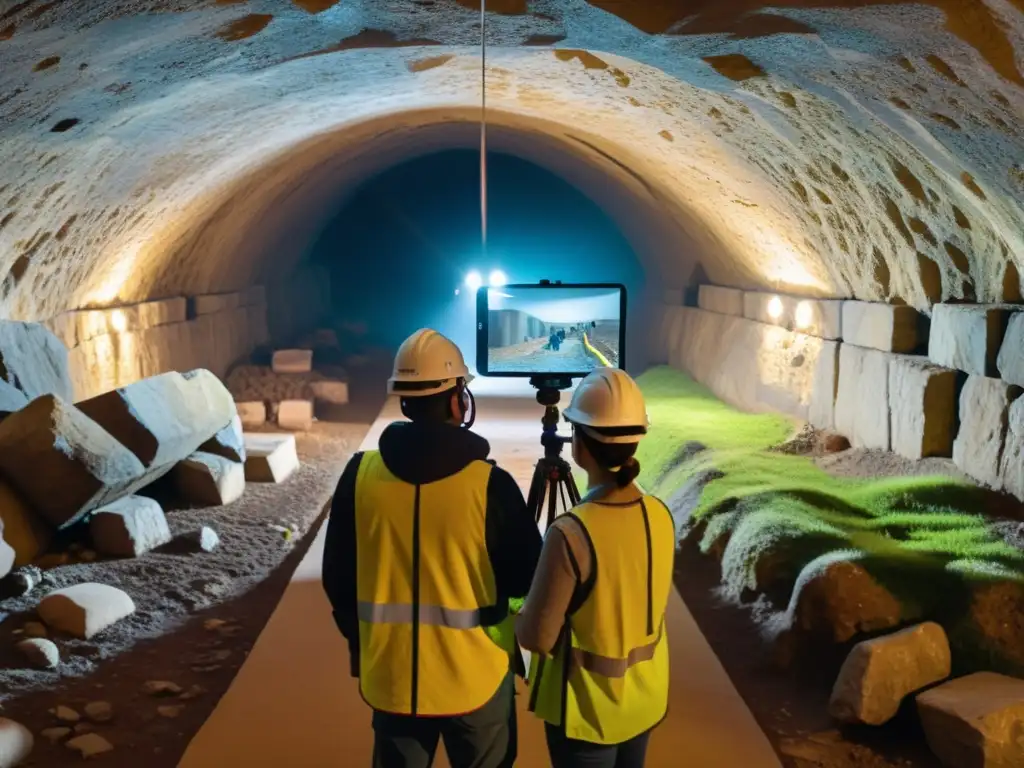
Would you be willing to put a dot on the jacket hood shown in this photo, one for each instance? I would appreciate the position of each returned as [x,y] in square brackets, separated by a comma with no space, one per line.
[425,453]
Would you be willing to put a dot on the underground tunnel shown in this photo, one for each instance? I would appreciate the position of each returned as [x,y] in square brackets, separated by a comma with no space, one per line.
[238,208]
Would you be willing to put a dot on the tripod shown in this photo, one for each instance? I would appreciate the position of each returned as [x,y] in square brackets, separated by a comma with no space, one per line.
[552,477]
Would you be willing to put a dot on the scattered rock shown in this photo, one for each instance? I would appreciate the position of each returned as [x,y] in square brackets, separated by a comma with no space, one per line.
[161,688]
[16,742]
[53,735]
[21,528]
[209,480]
[252,413]
[834,443]
[170,710]
[34,360]
[214,625]
[296,415]
[193,693]
[65,714]
[34,629]
[83,610]
[330,392]
[21,581]
[270,458]
[129,527]
[41,653]
[229,442]
[878,674]
[89,745]
[292,361]
[984,416]
[83,727]
[99,711]
[975,721]
[203,539]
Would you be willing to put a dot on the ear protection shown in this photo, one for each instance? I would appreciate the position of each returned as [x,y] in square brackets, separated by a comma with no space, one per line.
[467,404]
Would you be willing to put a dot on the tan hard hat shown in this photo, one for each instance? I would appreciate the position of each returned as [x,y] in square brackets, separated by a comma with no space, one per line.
[427,363]
[608,398]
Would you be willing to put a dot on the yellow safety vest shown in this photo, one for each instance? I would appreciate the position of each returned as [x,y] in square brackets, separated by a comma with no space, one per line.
[434,638]
[607,680]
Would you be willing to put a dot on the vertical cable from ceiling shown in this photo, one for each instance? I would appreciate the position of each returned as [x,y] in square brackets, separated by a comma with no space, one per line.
[483,126]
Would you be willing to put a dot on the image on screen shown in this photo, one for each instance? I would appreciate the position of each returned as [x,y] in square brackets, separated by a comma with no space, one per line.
[535,330]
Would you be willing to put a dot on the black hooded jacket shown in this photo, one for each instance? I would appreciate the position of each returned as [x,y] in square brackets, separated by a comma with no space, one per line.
[420,454]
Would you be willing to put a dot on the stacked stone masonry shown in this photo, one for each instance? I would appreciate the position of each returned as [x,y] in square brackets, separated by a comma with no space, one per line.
[860,368]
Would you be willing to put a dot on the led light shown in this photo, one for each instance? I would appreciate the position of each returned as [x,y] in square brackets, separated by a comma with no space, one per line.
[804,314]
[457,291]
[474,280]
[775,308]
[498,279]
[118,321]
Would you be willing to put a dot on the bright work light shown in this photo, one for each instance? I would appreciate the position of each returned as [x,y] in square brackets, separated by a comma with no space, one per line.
[498,279]
[474,280]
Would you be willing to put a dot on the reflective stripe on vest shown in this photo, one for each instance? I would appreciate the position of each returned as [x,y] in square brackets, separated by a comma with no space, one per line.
[431,626]
[607,682]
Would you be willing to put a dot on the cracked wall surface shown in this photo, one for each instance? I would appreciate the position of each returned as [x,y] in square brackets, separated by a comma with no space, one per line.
[845,149]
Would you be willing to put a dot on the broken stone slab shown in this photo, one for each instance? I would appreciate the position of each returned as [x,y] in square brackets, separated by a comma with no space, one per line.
[16,742]
[89,745]
[34,360]
[296,415]
[885,327]
[65,714]
[975,721]
[228,442]
[21,528]
[984,417]
[129,527]
[292,361]
[64,464]
[270,458]
[715,298]
[252,413]
[164,418]
[40,652]
[203,539]
[1011,462]
[83,610]
[923,407]
[1010,360]
[968,336]
[330,392]
[879,674]
[209,480]
[862,397]
[99,711]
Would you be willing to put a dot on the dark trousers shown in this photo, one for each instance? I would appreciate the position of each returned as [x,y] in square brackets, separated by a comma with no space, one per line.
[570,753]
[485,738]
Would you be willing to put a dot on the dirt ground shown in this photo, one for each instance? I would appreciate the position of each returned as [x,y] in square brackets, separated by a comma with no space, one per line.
[197,616]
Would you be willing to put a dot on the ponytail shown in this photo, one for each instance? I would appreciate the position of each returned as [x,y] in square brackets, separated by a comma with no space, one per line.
[628,472]
[615,457]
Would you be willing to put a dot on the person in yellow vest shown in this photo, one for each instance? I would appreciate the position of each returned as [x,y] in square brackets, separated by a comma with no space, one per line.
[595,616]
[426,544]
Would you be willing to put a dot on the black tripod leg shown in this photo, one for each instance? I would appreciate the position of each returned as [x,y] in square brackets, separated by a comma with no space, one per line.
[535,498]
[552,500]
[574,492]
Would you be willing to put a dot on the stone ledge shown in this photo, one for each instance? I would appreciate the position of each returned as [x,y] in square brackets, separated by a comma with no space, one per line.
[212,303]
[82,325]
[886,327]
[725,301]
[812,317]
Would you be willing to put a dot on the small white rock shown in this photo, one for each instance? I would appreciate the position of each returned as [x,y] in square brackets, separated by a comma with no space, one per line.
[161,688]
[16,742]
[54,735]
[66,714]
[99,711]
[40,652]
[170,711]
[89,745]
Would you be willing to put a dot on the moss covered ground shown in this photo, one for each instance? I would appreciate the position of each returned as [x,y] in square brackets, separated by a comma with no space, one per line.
[773,505]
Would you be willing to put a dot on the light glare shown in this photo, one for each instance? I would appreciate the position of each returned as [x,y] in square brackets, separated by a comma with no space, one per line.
[775,308]
[498,278]
[118,321]
[804,314]
[474,280]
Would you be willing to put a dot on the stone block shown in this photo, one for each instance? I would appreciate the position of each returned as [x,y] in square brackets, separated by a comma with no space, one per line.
[331,392]
[1011,461]
[62,462]
[21,527]
[1010,360]
[129,527]
[252,413]
[228,442]
[879,674]
[296,415]
[984,416]
[922,407]
[885,327]
[80,326]
[16,742]
[270,458]
[292,361]
[821,413]
[968,336]
[725,301]
[862,397]
[212,303]
[814,317]
[84,610]
[209,480]
[164,418]
[975,721]
[34,360]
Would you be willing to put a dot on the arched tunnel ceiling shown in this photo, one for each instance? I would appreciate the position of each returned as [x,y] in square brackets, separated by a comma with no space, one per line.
[875,151]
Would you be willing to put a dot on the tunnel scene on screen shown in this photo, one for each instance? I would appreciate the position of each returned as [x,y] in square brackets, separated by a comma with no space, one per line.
[533,330]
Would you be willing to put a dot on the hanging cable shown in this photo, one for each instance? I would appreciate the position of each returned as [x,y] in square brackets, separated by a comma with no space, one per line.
[483,127]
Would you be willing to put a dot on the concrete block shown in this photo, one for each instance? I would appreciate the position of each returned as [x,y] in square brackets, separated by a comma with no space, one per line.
[129,527]
[922,407]
[62,462]
[252,413]
[984,416]
[209,480]
[1010,360]
[292,361]
[85,610]
[23,530]
[212,303]
[725,301]
[1011,461]
[862,398]
[34,360]
[975,721]
[228,442]
[881,326]
[968,336]
[270,458]
[296,415]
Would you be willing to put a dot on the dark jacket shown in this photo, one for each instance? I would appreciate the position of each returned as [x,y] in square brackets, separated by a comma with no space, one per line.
[421,454]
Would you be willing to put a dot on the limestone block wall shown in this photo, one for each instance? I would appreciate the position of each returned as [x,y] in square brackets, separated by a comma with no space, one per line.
[114,346]
[885,376]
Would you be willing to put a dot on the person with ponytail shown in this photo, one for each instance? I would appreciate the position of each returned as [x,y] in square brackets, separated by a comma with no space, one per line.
[594,619]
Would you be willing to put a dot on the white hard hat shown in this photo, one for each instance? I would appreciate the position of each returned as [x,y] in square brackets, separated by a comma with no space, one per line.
[609,399]
[427,363]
